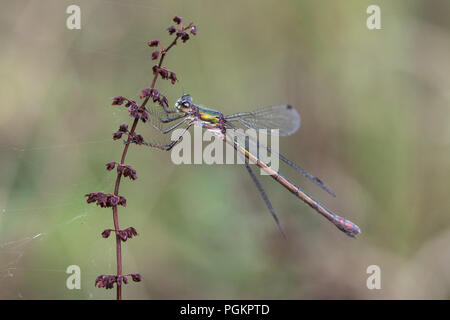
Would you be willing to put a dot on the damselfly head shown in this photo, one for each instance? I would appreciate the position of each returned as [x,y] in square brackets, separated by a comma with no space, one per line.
[184,102]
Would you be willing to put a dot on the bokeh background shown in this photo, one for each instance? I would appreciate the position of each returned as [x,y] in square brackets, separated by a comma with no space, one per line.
[375,127]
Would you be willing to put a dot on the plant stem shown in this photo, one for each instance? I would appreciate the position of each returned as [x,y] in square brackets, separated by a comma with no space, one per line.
[115,212]
[119,175]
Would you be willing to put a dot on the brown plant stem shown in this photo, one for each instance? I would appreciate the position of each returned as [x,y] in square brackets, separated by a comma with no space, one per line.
[119,174]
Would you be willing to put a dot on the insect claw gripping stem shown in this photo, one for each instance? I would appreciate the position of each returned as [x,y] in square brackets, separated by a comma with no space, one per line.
[138,112]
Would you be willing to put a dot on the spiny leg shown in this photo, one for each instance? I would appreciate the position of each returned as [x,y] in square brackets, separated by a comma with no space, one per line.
[164,147]
[166,110]
[169,129]
[167,113]
[157,145]
[170,119]
[172,127]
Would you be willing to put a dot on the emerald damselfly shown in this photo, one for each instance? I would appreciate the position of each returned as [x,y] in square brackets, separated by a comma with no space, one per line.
[283,118]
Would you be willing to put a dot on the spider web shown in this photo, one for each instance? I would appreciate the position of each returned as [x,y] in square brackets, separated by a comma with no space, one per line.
[26,252]
[19,246]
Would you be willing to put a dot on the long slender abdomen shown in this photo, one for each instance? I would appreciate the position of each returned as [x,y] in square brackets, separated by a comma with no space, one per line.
[342,224]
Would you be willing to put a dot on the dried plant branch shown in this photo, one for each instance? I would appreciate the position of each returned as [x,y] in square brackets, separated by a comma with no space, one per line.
[138,112]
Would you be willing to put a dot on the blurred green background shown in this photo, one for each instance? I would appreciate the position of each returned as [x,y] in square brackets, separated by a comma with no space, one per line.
[375,126]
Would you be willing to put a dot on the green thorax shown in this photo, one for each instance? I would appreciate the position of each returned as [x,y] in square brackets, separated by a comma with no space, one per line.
[209,115]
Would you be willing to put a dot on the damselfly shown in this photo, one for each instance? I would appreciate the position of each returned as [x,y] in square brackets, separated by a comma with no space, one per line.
[284,118]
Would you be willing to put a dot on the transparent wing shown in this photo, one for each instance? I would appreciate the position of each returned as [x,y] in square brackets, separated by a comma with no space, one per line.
[161,118]
[284,118]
